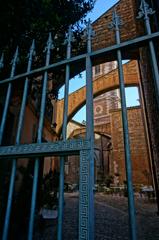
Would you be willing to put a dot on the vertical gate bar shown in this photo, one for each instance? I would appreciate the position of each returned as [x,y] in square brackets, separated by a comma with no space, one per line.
[131,205]
[1,61]
[39,139]
[13,172]
[9,201]
[8,95]
[33,199]
[64,136]
[25,93]
[144,12]
[90,130]
[84,195]
[61,199]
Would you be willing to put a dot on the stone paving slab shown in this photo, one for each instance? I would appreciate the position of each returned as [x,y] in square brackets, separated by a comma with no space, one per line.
[111,219]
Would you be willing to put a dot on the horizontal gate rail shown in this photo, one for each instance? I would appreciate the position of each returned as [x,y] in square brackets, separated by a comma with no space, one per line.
[69,147]
[137,42]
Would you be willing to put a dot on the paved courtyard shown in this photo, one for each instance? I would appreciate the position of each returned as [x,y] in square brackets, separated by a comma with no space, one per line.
[111,221]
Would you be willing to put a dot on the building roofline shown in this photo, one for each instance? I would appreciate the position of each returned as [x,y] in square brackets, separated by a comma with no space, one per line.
[105,12]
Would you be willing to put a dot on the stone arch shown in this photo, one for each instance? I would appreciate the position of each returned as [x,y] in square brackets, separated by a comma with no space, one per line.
[101,130]
[101,85]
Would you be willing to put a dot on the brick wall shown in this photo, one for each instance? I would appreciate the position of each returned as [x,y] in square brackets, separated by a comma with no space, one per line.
[139,154]
[132,28]
[152,111]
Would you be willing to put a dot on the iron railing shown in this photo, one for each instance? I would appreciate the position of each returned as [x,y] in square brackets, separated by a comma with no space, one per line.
[66,147]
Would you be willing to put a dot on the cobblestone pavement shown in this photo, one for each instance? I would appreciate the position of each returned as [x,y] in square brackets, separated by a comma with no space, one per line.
[111,219]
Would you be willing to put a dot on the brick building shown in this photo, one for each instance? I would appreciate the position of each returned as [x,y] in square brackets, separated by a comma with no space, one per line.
[109,148]
[110,100]
[128,11]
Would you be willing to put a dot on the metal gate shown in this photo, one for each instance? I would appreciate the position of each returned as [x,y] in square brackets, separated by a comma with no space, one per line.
[85,147]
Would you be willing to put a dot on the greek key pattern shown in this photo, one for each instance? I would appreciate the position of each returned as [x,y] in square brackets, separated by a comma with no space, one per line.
[84,196]
[45,149]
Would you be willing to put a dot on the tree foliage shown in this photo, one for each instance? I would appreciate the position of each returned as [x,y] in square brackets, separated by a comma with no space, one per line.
[22,21]
[29,19]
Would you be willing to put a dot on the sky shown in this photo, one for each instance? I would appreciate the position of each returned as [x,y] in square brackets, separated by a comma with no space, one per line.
[132,96]
[101,6]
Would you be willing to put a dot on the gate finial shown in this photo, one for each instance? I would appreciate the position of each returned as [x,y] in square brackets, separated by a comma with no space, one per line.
[30,55]
[49,44]
[145,10]
[89,33]
[69,36]
[15,57]
[32,50]
[1,61]
[116,21]
[47,49]
[14,61]
[89,30]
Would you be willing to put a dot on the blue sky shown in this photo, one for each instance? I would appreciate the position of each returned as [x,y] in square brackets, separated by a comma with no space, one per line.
[132,96]
[101,6]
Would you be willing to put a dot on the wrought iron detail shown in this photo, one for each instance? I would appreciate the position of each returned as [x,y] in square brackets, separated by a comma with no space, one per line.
[71,147]
[139,41]
[116,21]
[84,196]
[59,147]
[20,124]
[89,33]
[49,44]
[15,58]
[69,36]
[32,51]
[145,10]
